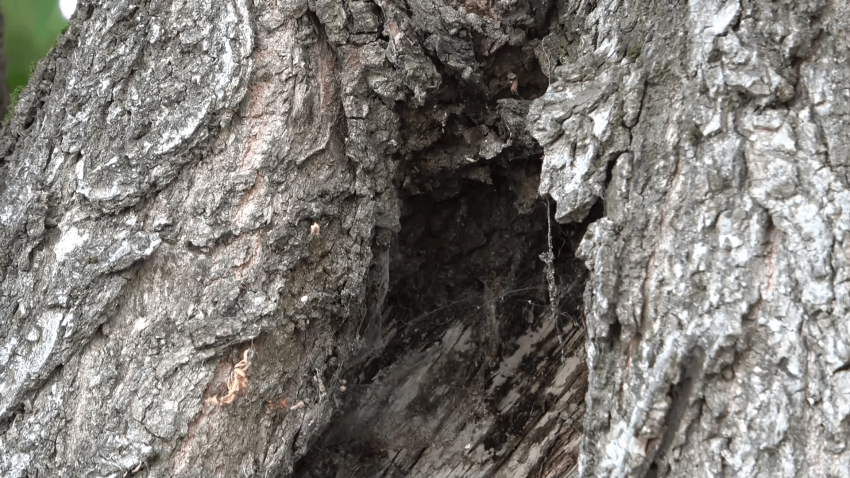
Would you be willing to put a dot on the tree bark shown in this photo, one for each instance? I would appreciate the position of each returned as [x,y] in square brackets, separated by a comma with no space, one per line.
[716,303]
[314,238]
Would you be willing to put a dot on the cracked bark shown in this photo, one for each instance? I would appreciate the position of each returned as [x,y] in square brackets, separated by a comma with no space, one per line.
[354,192]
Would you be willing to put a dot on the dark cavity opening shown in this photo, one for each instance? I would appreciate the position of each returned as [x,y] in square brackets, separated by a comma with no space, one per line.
[468,360]
[470,345]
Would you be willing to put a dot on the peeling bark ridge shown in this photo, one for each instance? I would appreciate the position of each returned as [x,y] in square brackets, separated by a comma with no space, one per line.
[716,305]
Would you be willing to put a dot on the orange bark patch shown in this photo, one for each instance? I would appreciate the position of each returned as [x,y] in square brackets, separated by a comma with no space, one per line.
[236,384]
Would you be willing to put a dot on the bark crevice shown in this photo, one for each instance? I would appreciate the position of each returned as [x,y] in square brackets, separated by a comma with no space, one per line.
[467,290]
[449,354]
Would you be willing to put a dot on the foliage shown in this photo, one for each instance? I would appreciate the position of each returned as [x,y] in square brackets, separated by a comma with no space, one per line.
[16,93]
[31,28]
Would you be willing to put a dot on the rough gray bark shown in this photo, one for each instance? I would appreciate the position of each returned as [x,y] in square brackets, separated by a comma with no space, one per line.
[340,199]
[716,307]
[197,189]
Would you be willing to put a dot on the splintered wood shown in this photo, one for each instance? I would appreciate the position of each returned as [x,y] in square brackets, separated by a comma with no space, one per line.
[237,383]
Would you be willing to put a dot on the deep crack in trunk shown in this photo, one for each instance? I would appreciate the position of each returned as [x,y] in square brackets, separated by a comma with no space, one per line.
[467,309]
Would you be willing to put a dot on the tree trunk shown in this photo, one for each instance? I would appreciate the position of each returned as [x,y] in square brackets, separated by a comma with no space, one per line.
[314,239]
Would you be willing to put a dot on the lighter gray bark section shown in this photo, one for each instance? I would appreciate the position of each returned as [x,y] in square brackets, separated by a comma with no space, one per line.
[717,304]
